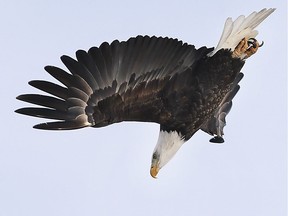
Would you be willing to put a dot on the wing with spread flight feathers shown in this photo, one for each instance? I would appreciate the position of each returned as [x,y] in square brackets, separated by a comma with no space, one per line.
[116,82]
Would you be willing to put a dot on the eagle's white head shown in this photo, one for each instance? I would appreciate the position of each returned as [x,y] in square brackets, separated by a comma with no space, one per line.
[167,145]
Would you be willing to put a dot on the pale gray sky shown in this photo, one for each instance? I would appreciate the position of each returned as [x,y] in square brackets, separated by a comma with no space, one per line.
[106,171]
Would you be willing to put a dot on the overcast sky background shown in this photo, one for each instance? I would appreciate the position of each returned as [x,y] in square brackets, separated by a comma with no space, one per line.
[106,171]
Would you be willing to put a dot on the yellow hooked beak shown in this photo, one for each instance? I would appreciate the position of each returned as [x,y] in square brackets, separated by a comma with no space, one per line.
[154,171]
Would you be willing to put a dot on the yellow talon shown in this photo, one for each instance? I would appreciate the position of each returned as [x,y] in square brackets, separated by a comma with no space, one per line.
[246,48]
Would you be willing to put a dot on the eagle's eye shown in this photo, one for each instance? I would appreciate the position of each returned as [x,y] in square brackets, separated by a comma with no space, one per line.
[154,156]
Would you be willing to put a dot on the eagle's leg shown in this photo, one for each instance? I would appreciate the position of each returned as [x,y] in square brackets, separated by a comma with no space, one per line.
[246,48]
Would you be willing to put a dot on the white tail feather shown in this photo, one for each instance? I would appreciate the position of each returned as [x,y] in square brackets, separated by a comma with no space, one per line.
[241,28]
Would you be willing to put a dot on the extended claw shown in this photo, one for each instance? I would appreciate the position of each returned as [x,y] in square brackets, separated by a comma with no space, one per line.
[246,48]
[252,42]
[261,44]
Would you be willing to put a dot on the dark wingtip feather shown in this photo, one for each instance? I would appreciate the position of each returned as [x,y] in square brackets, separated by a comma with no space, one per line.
[45,113]
[60,74]
[41,126]
[57,125]
[21,97]
[18,110]
[60,125]
[45,101]
[50,88]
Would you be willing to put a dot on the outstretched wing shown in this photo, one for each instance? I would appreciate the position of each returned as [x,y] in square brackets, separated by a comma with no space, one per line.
[115,82]
[214,126]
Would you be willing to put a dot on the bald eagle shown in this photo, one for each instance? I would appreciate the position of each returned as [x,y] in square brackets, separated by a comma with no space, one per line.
[150,79]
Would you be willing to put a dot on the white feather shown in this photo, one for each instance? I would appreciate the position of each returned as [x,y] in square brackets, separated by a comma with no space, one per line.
[241,28]
[167,145]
